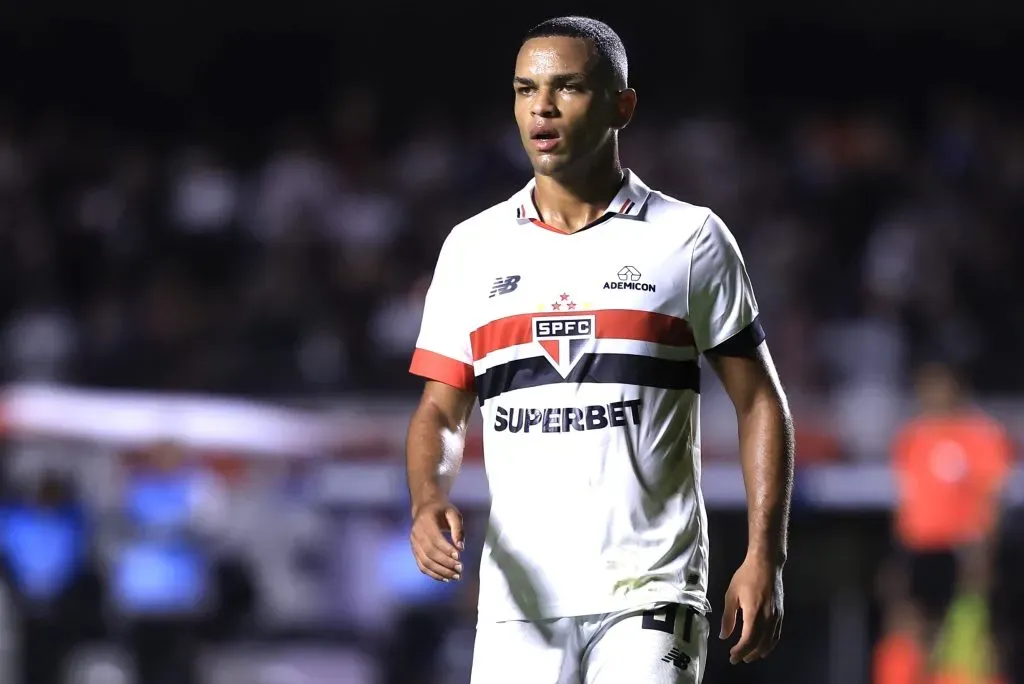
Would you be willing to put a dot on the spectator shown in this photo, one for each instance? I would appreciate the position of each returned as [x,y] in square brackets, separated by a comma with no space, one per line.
[950,463]
[45,549]
[164,572]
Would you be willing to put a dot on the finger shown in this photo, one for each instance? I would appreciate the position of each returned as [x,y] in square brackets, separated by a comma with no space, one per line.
[442,546]
[439,561]
[442,573]
[774,641]
[425,569]
[430,537]
[764,630]
[749,636]
[442,552]
[729,615]
[430,565]
[762,637]
[454,519]
[744,647]
[444,560]
[770,627]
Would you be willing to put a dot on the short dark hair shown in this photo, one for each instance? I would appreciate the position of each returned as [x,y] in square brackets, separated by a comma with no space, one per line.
[607,43]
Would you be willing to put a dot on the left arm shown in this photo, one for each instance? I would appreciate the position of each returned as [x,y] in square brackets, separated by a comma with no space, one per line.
[724,317]
[766,447]
[766,452]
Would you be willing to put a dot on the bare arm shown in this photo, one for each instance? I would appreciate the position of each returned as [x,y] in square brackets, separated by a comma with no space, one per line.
[724,320]
[437,434]
[434,445]
[766,447]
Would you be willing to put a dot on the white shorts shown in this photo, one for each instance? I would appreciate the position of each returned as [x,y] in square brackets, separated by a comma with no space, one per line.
[666,644]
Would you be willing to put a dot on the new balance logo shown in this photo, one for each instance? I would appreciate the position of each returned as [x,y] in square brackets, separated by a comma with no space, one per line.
[504,285]
[677,658]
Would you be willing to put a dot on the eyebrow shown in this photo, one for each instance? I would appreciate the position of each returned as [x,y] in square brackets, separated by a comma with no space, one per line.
[557,78]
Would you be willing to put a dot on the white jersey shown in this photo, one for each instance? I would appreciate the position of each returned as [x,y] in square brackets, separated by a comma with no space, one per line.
[583,350]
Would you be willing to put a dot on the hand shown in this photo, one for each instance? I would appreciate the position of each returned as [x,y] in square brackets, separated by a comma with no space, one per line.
[755,591]
[435,554]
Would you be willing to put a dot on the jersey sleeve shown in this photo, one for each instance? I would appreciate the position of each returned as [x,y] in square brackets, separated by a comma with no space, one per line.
[443,351]
[721,299]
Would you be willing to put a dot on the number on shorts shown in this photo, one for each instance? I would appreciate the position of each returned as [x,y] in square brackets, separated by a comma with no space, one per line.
[664,620]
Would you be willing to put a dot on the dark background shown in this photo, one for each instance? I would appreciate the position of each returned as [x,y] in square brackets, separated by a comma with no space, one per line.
[92,92]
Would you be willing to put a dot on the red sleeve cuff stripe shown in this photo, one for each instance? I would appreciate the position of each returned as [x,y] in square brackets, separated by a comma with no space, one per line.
[434,366]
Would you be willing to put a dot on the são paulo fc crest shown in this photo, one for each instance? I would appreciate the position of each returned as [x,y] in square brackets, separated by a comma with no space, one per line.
[563,339]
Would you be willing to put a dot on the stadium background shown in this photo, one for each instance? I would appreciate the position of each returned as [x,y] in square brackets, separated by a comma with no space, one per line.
[217,223]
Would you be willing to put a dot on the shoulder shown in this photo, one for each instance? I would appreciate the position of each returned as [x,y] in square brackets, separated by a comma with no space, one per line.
[697,230]
[480,228]
[467,240]
[917,431]
[685,220]
[988,427]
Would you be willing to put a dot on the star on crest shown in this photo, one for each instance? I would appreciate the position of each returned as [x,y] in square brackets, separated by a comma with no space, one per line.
[565,302]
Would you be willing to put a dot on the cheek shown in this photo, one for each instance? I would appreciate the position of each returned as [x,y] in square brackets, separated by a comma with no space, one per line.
[521,111]
[587,129]
[586,120]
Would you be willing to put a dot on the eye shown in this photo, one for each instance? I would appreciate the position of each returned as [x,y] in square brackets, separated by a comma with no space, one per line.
[524,90]
[571,88]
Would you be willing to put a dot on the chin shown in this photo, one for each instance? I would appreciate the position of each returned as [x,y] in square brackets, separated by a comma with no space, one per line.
[549,166]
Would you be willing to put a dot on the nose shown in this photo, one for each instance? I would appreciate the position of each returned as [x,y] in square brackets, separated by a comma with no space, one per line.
[544,104]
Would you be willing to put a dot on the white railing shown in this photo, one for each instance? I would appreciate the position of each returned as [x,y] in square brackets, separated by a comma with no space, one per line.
[365,441]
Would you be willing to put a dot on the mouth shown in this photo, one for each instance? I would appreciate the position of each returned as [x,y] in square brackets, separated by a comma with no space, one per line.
[544,138]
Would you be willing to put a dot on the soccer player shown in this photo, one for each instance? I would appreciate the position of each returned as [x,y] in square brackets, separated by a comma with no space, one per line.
[576,313]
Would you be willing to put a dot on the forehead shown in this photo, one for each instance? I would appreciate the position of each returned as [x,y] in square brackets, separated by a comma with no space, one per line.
[555,55]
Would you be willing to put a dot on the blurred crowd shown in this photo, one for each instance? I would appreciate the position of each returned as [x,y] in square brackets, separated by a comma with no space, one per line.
[297,264]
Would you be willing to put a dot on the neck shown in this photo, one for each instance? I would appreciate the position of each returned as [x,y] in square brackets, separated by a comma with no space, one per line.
[571,201]
[945,410]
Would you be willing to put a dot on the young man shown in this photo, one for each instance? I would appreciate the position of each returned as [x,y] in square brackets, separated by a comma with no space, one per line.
[575,312]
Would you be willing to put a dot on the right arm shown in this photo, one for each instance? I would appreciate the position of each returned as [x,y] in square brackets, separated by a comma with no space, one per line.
[437,436]
[434,445]
[437,430]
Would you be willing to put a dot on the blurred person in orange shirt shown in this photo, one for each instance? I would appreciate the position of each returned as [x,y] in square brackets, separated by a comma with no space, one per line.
[950,464]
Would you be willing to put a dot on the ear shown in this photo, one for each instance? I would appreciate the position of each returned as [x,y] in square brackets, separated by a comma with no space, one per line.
[625,106]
